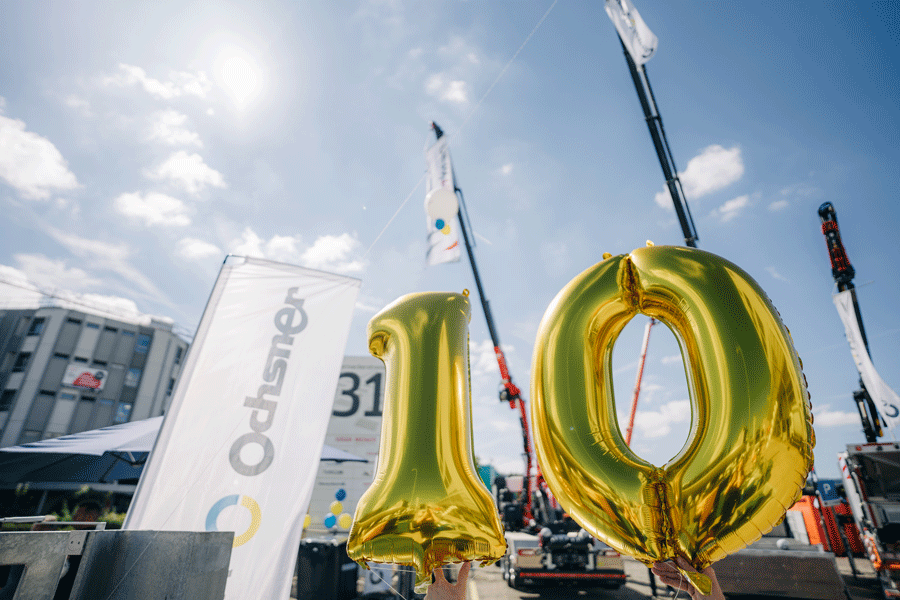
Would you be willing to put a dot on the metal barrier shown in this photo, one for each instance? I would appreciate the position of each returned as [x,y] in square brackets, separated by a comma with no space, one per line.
[116,565]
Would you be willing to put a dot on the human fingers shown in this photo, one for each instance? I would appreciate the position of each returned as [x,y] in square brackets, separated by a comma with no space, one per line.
[678,582]
[665,568]
[463,575]
[685,565]
[439,576]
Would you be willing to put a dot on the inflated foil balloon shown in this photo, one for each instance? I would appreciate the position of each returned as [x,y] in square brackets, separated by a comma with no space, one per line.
[750,445]
[426,506]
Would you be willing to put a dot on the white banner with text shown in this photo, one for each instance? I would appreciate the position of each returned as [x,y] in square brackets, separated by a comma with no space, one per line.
[240,445]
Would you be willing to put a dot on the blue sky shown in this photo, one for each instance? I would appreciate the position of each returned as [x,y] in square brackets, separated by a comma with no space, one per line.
[140,143]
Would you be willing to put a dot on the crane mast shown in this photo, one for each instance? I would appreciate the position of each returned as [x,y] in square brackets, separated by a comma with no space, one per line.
[509,392]
[843,274]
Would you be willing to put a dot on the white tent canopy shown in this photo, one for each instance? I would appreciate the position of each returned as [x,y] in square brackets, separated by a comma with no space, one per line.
[101,456]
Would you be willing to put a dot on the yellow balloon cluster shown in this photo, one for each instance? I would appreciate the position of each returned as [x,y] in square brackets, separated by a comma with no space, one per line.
[750,445]
[426,507]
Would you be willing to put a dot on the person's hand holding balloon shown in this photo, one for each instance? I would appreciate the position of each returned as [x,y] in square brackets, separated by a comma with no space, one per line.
[442,589]
[670,575]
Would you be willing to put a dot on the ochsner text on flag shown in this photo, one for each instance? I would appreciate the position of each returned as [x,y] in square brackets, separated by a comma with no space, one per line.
[441,205]
[240,445]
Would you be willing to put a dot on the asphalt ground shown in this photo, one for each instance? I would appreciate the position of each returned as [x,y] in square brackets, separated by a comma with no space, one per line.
[488,584]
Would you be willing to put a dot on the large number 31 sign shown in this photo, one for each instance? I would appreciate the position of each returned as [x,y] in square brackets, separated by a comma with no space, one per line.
[745,462]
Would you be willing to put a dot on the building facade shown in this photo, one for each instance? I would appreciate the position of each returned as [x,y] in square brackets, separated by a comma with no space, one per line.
[63,371]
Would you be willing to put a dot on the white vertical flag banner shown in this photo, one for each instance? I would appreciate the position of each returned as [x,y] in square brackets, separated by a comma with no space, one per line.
[441,205]
[637,37]
[240,445]
[886,399]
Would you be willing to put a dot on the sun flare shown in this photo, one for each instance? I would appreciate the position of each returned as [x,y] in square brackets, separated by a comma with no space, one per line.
[239,75]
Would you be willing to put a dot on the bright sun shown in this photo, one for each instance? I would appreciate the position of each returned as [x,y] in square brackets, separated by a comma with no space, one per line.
[239,75]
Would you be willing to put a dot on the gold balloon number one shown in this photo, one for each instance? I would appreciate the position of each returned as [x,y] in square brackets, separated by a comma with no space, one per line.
[750,444]
[426,506]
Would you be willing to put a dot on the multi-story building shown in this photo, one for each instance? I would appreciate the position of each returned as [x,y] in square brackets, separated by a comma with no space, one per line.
[63,371]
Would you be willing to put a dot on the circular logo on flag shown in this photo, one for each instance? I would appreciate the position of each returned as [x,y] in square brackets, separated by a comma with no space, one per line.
[232,500]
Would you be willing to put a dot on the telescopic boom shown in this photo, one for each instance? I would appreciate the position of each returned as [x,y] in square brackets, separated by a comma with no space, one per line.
[843,274]
[509,392]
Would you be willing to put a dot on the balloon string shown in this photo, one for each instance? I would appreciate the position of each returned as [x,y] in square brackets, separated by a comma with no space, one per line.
[390,586]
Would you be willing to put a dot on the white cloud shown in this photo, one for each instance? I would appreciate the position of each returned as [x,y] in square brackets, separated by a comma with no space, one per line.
[279,248]
[801,190]
[668,360]
[250,244]
[506,169]
[732,208]
[103,255]
[824,417]
[65,204]
[713,169]
[776,274]
[778,205]
[483,359]
[41,283]
[459,49]
[79,105]
[31,163]
[180,83]
[333,252]
[658,423]
[194,249]
[187,171]
[49,273]
[167,127]
[442,87]
[153,209]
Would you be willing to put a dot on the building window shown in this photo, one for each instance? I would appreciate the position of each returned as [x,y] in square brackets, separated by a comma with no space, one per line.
[90,325]
[178,352]
[73,321]
[37,326]
[6,399]
[123,413]
[171,387]
[142,344]
[79,359]
[132,377]
[100,363]
[66,396]
[127,333]
[21,362]
[60,355]
[110,329]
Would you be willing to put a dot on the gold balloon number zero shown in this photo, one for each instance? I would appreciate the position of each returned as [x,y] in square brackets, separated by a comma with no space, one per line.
[750,444]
